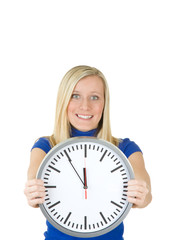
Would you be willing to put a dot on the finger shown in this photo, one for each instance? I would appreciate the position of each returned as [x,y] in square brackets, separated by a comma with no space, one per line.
[135,194]
[35,195]
[137,182]
[136,188]
[136,201]
[35,202]
[32,182]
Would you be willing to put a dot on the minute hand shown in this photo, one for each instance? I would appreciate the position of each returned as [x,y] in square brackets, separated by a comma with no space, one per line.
[70,161]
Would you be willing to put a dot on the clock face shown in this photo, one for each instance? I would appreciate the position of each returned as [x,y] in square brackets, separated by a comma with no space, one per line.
[86,185]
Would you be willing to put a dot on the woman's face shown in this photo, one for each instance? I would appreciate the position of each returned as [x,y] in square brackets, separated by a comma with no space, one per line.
[87,103]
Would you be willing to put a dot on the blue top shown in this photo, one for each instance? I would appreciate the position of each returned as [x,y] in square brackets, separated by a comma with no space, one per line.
[127,147]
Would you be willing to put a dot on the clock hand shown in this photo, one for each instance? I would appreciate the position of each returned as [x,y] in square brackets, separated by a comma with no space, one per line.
[70,161]
[85,182]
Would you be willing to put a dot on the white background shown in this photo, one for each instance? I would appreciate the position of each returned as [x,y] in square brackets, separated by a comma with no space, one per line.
[131,42]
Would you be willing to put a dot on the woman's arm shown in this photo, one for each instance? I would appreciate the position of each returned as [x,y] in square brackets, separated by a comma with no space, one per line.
[34,188]
[139,190]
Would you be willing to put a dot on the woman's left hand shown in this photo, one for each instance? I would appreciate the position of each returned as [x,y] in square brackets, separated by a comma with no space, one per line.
[137,193]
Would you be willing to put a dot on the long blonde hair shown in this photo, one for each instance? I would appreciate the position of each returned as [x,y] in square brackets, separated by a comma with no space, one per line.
[62,126]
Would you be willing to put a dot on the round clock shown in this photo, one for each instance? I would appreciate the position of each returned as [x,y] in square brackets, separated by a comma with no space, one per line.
[86,186]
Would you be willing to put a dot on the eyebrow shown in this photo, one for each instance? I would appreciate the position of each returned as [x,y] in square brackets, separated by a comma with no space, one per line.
[93,92]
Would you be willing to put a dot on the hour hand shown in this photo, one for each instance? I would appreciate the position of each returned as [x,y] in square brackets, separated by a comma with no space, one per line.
[85,182]
[70,161]
[85,178]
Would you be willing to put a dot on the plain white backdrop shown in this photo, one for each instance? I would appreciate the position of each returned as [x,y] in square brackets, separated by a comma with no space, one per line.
[131,42]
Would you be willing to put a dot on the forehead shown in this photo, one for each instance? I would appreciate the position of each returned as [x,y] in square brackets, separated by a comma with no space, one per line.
[90,83]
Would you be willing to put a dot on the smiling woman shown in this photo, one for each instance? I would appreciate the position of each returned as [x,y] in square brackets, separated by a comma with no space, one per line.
[83,110]
[83,95]
[86,105]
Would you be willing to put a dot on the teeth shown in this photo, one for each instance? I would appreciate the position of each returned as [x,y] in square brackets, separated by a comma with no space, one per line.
[84,117]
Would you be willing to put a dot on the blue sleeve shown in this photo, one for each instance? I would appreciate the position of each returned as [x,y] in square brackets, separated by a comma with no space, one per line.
[128,147]
[42,143]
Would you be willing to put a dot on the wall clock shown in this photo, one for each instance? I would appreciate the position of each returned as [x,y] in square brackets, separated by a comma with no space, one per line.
[86,185]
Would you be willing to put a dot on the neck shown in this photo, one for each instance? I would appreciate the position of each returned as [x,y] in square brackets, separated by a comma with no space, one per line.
[77,133]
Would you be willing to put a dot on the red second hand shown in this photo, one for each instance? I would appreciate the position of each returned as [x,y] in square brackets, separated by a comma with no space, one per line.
[85,193]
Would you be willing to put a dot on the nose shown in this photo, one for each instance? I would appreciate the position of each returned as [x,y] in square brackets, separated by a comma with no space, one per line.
[85,104]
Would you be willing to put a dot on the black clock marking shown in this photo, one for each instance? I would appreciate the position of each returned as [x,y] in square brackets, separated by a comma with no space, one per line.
[50,186]
[55,169]
[103,155]
[115,169]
[109,154]
[104,219]
[85,222]
[85,151]
[67,217]
[116,204]
[53,205]
[123,174]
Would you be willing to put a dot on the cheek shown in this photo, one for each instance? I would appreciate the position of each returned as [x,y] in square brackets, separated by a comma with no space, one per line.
[99,110]
[70,108]
[69,111]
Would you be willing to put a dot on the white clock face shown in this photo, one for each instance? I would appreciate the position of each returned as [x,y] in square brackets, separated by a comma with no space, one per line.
[86,185]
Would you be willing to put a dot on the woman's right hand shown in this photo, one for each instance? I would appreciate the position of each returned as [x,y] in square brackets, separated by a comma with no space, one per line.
[35,192]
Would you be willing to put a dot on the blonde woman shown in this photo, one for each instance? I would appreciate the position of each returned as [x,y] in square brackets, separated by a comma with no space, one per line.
[83,110]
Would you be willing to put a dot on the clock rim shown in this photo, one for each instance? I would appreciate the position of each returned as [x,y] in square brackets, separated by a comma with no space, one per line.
[77,140]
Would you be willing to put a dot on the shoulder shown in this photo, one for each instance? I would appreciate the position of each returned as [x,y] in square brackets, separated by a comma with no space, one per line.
[42,143]
[128,147]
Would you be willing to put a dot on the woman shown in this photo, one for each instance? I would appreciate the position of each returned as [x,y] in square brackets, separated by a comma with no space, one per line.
[83,110]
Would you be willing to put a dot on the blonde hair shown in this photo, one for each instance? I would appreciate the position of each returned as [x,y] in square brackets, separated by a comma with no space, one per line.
[62,126]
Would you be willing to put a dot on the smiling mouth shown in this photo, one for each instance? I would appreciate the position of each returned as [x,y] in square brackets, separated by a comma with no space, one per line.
[85,117]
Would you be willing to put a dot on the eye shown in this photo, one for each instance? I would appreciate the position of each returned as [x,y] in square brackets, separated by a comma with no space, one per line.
[94,97]
[75,96]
